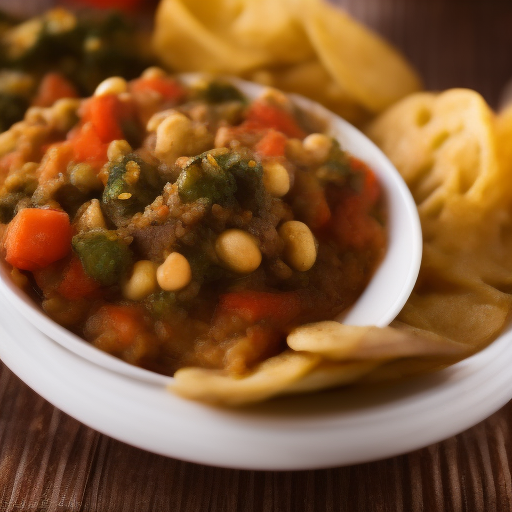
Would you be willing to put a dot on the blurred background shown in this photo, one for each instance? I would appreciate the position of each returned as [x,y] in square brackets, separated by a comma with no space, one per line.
[452,43]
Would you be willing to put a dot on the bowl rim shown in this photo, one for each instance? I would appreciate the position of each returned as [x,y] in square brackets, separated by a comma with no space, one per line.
[394,278]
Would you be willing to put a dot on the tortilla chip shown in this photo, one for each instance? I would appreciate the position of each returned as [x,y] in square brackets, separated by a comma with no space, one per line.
[444,145]
[307,47]
[272,377]
[362,63]
[338,342]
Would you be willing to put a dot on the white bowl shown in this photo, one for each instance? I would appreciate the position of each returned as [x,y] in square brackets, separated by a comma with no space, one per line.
[381,301]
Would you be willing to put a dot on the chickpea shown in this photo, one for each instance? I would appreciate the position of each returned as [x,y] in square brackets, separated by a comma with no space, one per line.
[318,146]
[299,245]
[142,282]
[117,149]
[90,217]
[112,85]
[174,273]
[238,251]
[153,72]
[276,179]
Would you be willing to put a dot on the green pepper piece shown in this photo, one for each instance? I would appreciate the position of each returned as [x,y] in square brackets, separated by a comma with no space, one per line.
[202,181]
[220,92]
[222,177]
[105,257]
[132,185]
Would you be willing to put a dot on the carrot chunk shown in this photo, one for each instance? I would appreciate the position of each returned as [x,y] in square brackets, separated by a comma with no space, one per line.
[125,322]
[53,87]
[36,237]
[76,284]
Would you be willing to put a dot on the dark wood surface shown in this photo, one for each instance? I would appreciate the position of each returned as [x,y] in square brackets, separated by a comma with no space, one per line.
[51,462]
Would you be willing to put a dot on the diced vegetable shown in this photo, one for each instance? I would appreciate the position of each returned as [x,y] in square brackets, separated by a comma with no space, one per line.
[123,321]
[222,178]
[88,147]
[170,89]
[36,237]
[273,143]
[195,182]
[263,115]
[252,306]
[219,92]
[132,184]
[53,87]
[104,256]
[105,114]
[76,284]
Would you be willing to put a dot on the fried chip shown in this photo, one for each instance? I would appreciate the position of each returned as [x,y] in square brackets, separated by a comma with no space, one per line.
[444,145]
[303,46]
[363,64]
[338,342]
[272,377]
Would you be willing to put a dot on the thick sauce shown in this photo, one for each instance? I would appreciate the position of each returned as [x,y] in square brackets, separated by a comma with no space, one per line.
[174,226]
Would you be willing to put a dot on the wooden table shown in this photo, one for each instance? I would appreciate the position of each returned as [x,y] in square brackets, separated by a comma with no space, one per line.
[51,462]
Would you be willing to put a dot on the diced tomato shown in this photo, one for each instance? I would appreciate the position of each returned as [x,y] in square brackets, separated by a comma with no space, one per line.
[53,87]
[251,306]
[36,237]
[76,284]
[105,113]
[264,115]
[169,88]
[88,147]
[273,143]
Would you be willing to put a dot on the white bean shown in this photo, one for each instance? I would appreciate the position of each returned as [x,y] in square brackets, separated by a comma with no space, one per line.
[153,72]
[299,245]
[117,149]
[318,146]
[112,85]
[276,179]
[174,273]
[238,251]
[142,282]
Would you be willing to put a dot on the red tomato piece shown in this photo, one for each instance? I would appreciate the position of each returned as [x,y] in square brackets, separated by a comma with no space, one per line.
[273,143]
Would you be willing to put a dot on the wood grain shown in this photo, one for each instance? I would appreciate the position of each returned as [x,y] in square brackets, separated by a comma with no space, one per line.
[50,462]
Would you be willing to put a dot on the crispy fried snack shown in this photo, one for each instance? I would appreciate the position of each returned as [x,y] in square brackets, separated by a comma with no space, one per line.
[303,46]
[456,157]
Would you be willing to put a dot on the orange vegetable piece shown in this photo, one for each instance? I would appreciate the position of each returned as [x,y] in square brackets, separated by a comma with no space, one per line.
[279,308]
[263,115]
[169,88]
[88,147]
[76,284]
[273,143]
[37,237]
[124,321]
[105,113]
[53,87]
